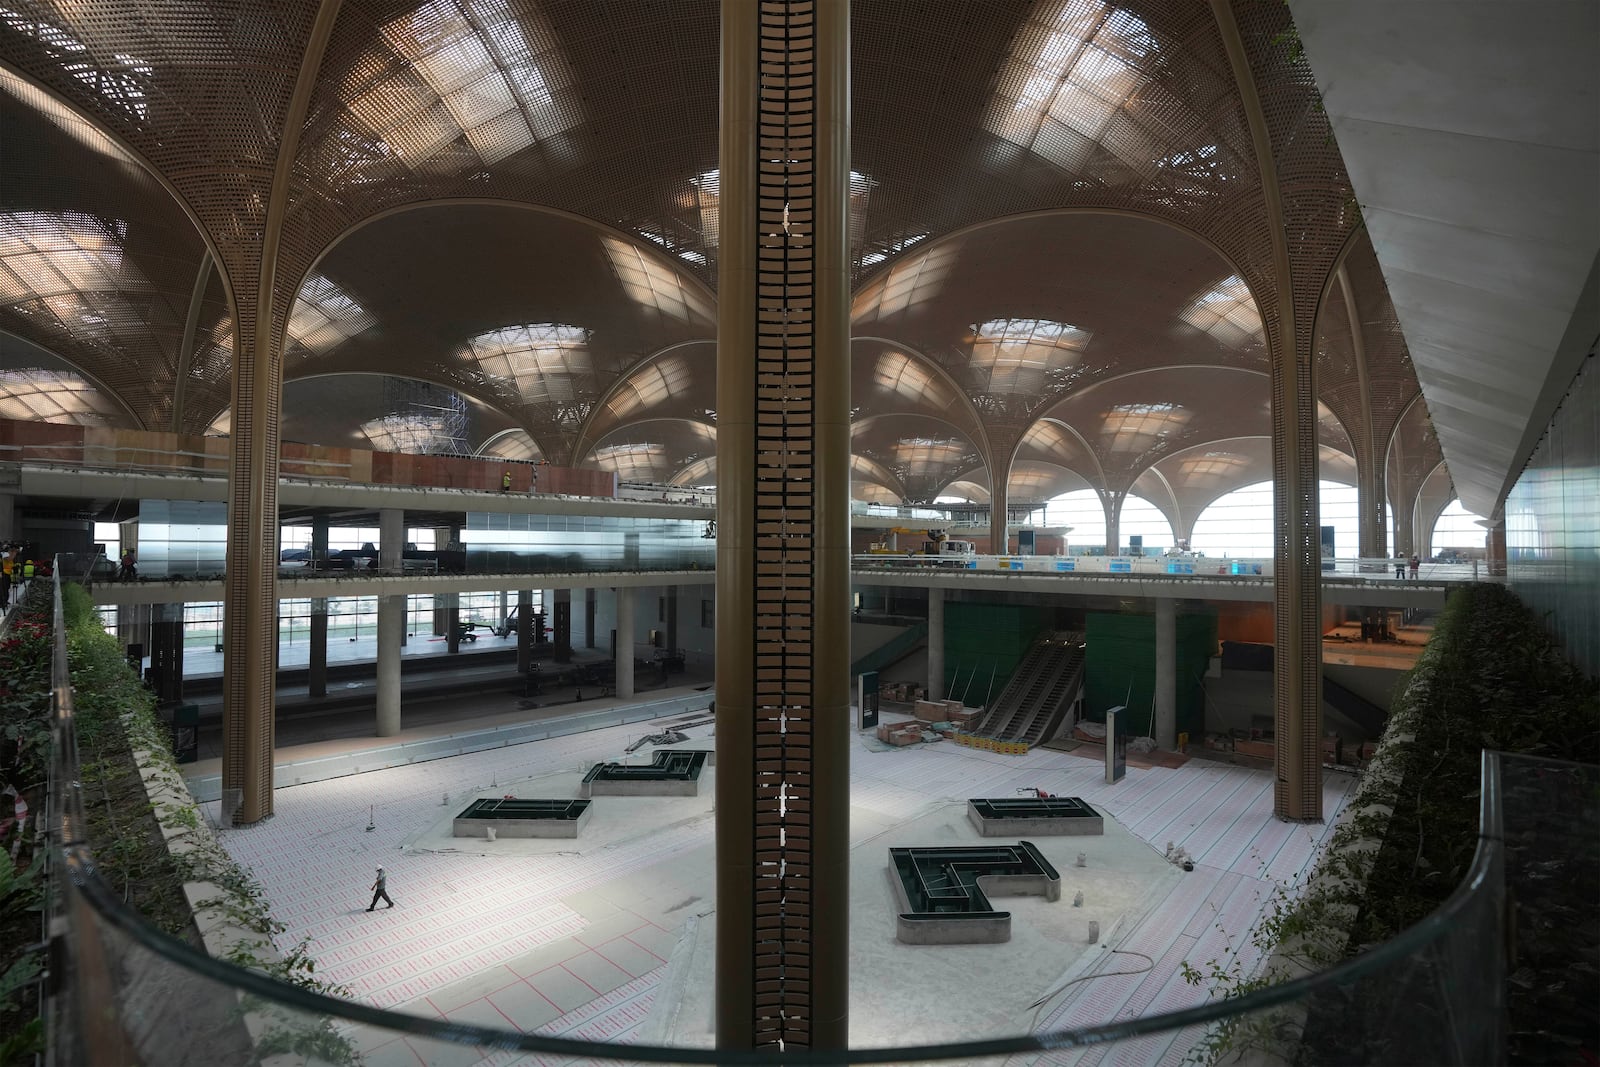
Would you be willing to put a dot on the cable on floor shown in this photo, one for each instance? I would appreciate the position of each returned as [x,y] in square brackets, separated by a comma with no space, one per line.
[1062,988]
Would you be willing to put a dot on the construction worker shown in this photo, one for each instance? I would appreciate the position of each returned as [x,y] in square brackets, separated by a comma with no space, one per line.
[505,481]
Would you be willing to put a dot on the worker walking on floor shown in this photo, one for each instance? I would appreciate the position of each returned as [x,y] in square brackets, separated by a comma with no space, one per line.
[380,891]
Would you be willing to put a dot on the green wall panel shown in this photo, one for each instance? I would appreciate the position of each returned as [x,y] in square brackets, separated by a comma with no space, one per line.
[1120,667]
[983,643]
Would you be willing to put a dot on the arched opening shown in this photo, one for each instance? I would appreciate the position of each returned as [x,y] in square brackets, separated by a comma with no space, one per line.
[1240,523]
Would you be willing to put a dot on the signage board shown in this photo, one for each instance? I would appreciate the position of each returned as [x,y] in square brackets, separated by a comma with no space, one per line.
[1116,746]
[867,700]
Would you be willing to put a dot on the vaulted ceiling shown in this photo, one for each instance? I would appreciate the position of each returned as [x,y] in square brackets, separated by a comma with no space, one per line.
[1060,238]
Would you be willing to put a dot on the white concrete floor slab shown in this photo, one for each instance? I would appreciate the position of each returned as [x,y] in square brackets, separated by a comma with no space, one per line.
[606,936]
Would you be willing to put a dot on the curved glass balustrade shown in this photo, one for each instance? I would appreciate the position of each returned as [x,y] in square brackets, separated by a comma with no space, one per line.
[126,993]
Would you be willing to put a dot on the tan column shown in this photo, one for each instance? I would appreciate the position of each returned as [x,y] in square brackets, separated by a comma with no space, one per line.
[391,539]
[935,643]
[1297,555]
[783,527]
[624,650]
[391,624]
[1166,710]
[735,972]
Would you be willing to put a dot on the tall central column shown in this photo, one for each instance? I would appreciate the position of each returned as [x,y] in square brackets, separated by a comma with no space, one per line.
[783,533]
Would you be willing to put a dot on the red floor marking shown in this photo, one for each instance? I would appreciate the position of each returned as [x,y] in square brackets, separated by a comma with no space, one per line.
[579,977]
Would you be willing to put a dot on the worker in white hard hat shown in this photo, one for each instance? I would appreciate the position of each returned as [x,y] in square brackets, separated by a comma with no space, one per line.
[380,891]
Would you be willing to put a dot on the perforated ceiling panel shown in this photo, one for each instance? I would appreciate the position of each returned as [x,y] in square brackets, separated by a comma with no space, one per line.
[97,261]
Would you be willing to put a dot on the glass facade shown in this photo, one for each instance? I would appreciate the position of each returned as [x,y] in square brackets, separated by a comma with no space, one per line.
[533,544]
[1553,524]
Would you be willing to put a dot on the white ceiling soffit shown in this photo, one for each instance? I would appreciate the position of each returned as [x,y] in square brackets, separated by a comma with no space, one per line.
[1471,132]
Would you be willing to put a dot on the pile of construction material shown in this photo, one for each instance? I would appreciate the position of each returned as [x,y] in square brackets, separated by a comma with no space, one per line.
[942,711]
[910,733]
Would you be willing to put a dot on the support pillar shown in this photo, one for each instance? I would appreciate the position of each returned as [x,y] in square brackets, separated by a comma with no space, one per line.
[391,623]
[935,644]
[166,652]
[561,626]
[1112,502]
[1297,555]
[317,665]
[452,621]
[999,533]
[783,528]
[524,630]
[8,516]
[319,542]
[1496,547]
[672,619]
[590,596]
[1166,711]
[391,539]
[624,644]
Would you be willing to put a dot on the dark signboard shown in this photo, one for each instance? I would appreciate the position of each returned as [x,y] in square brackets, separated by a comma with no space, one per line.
[867,700]
[1116,746]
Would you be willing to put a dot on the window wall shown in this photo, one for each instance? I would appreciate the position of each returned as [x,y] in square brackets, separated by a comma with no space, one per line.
[1081,509]
[1240,523]
[1459,532]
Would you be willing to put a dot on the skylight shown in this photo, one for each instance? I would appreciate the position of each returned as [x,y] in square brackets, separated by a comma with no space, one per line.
[911,281]
[928,455]
[1227,312]
[898,373]
[652,385]
[325,316]
[34,394]
[1138,427]
[653,284]
[886,250]
[121,81]
[511,444]
[1211,469]
[471,71]
[411,434]
[1016,355]
[50,253]
[1077,66]
[633,461]
[542,361]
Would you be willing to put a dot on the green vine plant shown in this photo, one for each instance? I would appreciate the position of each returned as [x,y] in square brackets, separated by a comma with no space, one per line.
[239,913]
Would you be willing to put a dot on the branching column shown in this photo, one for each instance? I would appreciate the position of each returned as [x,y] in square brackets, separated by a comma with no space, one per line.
[783,533]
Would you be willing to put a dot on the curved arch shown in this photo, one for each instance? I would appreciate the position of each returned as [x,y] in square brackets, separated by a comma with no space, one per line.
[1099,468]
[463,388]
[923,247]
[99,386]
[138,158]
[499,435]
[679,419]
[580,441]
[1125,375]
[883,475]
[938,371]
[1399,421]
[495,201]
[867,420]
[691,474]
[1175,519]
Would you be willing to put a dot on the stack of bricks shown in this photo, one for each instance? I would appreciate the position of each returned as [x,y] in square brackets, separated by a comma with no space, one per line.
[900,733]
[963,718]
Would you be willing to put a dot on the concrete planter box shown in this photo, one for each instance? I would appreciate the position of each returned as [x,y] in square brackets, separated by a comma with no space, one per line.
[669,774]
[556,818]
[946,914]
[1024,817]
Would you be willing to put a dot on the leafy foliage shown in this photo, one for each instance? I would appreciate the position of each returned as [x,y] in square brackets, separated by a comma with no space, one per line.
[1491,677]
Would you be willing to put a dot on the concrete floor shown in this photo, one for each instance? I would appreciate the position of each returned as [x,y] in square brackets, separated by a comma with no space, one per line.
[606,937]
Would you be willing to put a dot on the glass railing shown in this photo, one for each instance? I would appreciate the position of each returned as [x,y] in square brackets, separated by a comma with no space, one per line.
[127,993]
